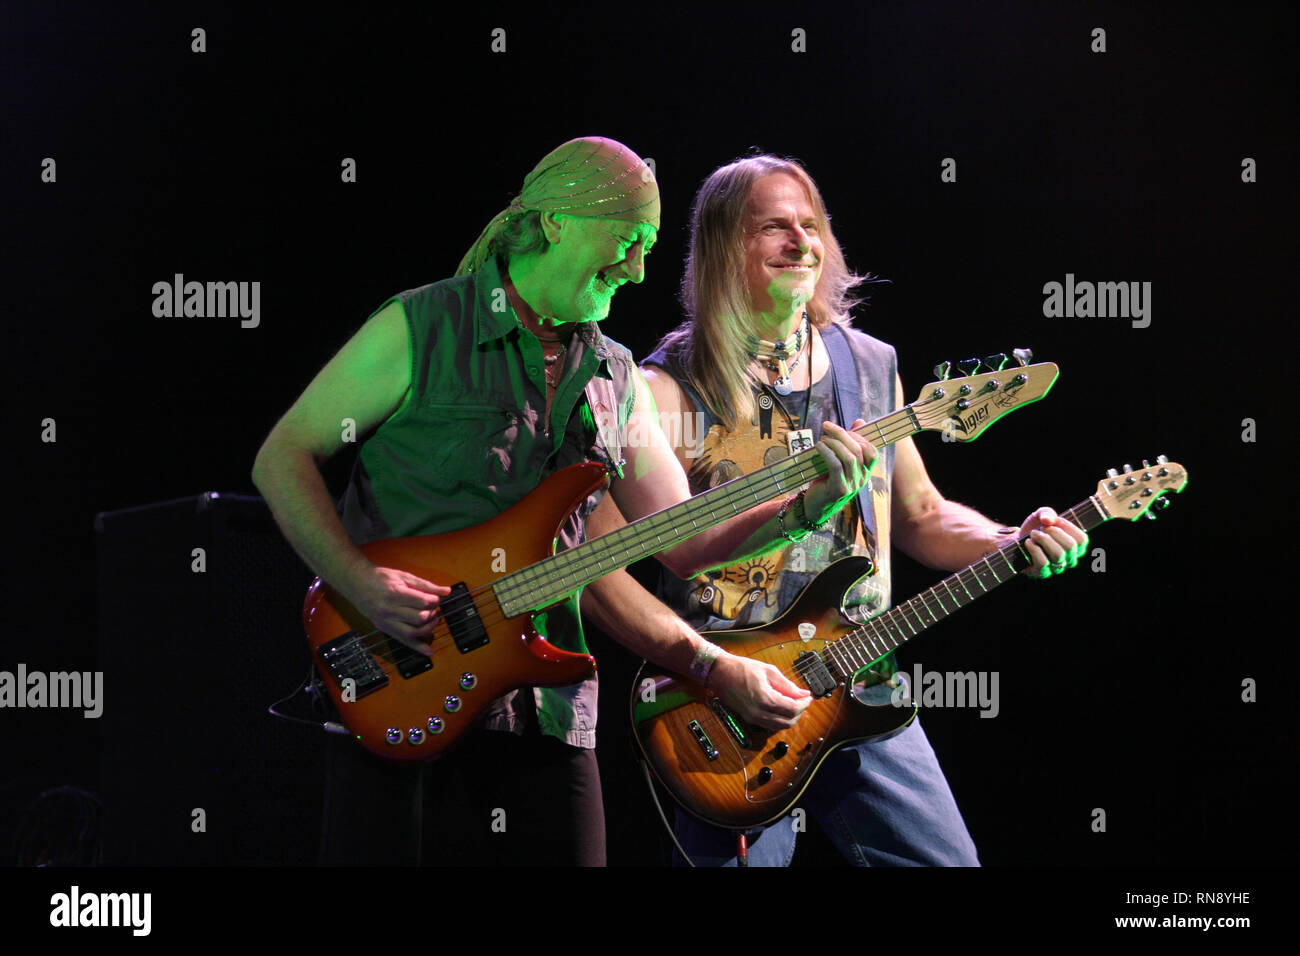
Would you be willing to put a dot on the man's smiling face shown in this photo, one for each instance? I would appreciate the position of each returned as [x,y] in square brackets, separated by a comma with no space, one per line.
[593,258]
[783,246]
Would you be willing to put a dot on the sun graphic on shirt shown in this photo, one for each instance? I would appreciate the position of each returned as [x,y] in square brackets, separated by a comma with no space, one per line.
[741,592]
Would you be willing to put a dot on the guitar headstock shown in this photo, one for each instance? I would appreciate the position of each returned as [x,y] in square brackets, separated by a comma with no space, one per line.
[1132,493]
[963,407]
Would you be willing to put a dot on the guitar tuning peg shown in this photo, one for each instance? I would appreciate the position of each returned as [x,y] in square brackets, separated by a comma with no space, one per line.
[1163,503]
[1112,473]
[1127,466]
[1161,460]
[1023,356]
[942,371]
[997,362]
[1151,515]
[1145,463]
[969,366]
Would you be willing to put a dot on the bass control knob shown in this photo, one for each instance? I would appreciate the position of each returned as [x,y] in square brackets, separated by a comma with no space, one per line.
[765,775]
[780,750]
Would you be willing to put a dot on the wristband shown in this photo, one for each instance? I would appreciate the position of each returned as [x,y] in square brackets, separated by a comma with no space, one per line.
[702,663]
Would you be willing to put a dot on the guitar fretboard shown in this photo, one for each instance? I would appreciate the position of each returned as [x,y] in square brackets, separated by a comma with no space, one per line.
[548,582]
[869,642]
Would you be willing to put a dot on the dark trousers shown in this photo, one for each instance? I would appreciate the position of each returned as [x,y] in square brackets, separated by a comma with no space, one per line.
[497,799]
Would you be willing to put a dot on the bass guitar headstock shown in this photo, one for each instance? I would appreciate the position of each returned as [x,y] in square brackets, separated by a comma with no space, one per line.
[963,407]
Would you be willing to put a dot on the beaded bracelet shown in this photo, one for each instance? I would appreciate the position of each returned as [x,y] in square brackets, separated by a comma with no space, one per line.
[803,510]
[780,521]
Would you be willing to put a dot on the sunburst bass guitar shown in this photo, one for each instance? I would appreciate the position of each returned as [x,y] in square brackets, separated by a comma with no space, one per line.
[733,775]
[407,707]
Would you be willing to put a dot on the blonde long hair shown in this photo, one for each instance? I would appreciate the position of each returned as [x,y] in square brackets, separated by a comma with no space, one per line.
[710,345]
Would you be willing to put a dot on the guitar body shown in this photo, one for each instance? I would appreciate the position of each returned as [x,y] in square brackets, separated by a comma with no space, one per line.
[731,774]
[403,712]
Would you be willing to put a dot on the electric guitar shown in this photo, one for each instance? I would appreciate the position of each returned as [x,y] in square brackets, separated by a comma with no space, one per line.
[407,707]
[733,775]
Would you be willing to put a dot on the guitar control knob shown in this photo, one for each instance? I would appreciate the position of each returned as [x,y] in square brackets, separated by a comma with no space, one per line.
[468,681]
[452,703]
[435,725]
[780,750]
[765,775]
[393,736]
[415,736]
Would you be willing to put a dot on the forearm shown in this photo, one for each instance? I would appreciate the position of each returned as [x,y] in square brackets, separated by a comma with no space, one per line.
[758,692]
[290,482]
[948,535]
[639,621]
[751,533]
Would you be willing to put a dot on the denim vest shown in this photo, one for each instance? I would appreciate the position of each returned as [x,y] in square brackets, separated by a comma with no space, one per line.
[759,589]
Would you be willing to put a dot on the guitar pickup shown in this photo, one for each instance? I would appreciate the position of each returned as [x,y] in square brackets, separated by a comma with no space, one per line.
[462,619]
[702,739]
[730,722]
[409,662]
[812,667]
[347,657]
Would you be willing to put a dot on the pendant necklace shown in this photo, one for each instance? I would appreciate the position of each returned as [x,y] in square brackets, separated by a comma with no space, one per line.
[774,355]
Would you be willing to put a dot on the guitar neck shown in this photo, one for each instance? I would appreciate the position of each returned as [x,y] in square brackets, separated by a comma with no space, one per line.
[548,582]
[869,642]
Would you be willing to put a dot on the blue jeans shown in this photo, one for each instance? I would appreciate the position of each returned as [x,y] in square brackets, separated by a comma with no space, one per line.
[882,803]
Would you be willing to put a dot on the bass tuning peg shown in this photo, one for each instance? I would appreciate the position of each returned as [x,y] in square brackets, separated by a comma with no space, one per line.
[942,371]
[997,362]
[1023,356]
[969,366]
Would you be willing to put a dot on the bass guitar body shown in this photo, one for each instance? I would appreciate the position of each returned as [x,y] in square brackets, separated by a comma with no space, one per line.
[731,774]
[406,707]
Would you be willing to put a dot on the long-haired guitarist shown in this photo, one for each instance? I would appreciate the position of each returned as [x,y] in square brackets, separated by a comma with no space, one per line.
[767,356]
[467,393]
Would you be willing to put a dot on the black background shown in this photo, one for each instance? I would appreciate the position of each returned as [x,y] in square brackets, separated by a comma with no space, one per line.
[1119,690]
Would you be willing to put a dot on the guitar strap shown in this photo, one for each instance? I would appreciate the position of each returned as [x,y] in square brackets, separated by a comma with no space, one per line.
[848,404]
[605,412]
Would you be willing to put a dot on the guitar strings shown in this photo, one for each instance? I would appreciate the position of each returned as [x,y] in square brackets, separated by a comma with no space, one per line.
[374,640]
[863,638]
[440,637]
